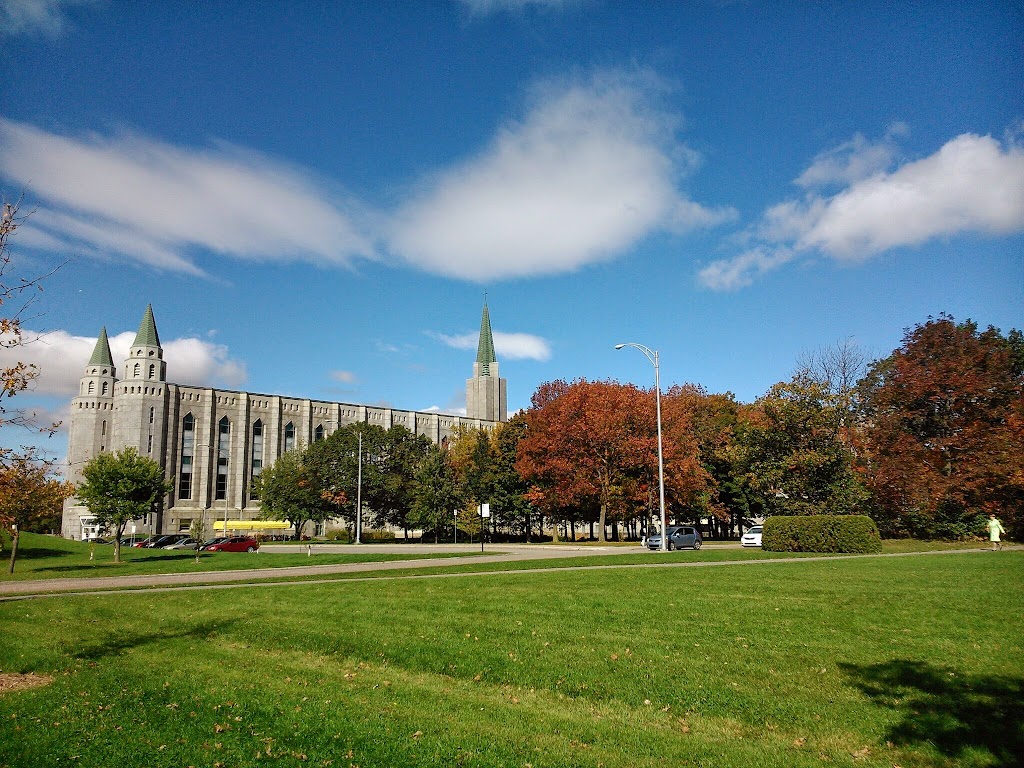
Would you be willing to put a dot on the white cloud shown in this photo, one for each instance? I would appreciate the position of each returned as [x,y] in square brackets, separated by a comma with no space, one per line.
[589,171]
[484,7]
[971,184]
[345,377]
[30,16]
[148,201]
[740,271]
[62,358]
[507,346]
[854,160]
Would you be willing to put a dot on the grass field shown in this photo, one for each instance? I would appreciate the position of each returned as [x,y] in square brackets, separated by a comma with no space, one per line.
[915,661]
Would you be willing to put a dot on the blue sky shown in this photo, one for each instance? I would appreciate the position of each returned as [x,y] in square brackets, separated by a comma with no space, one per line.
[315,196]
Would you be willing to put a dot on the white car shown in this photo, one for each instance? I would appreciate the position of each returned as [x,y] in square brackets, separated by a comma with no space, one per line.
[752,538]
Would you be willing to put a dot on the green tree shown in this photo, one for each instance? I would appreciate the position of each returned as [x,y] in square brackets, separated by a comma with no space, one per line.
[398,460]
[508,488]
[792,455]
[437,492]
[121,487]
[290,491]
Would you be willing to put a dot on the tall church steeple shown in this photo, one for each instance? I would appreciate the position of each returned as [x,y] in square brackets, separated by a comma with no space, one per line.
[485,347]
[486,397]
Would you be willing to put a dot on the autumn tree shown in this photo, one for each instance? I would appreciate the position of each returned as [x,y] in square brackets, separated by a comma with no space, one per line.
[711,420]
[121,487]
[791,453]
[30,498]
[943,430]
[17,376]
[595,443]
[486,462]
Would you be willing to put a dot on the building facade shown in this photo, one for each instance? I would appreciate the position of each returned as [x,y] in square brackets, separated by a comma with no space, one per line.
[213,443]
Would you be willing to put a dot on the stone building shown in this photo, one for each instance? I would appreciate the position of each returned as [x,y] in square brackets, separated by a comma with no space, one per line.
[212,443]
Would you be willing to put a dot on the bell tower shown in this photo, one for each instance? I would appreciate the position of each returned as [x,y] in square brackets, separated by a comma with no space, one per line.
[486,397]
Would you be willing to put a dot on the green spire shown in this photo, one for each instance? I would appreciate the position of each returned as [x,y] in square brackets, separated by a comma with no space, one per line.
[485,349]
[101,354]
[147,335]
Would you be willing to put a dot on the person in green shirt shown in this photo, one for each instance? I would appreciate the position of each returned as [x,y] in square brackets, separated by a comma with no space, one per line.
[994,529]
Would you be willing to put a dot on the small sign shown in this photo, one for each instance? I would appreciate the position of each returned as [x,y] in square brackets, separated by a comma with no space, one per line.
[485,510]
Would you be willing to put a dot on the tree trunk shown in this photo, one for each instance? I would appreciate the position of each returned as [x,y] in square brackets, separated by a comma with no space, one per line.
[14,549]
[601,523]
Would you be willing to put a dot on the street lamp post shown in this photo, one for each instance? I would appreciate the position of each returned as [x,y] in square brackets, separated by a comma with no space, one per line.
[359,493]
[652,355]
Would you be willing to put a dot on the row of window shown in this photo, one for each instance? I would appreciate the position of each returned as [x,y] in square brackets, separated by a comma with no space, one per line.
[188,446]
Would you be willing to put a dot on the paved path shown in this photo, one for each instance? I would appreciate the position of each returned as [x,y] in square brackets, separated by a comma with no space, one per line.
[21,590]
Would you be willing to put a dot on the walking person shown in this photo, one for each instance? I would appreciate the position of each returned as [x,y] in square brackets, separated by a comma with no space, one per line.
[994,529]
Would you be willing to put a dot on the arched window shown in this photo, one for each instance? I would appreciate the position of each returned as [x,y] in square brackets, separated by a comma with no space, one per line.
[188,436]
[289,437]
[92,387]
[137,370]
[105,387]
[223,453]
[318,433]
[257,452]
[152,370]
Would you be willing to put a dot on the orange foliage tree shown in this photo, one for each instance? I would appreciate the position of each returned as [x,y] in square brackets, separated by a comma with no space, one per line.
[594,444]
[942,438]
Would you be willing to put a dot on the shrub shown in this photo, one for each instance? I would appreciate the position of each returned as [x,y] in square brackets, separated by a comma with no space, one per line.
[821,533]
[341,535]
[373,535]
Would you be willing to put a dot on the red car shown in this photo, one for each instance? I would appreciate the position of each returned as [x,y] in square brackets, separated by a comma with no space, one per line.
[235,544]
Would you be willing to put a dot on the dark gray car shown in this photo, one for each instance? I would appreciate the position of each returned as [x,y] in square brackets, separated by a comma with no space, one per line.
[679,537]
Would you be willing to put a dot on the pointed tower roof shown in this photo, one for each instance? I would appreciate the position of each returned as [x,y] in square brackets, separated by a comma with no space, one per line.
[485,348]
[101,354]
[147,335]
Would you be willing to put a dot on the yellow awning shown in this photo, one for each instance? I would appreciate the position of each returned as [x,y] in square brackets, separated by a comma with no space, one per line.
[251,525]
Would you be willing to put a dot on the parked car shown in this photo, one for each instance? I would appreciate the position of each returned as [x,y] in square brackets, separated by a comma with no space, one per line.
[159,542]
[235,544]
[211,542]
[679,537]
[752,538]
[146,542]
[97,540]
[187,543]
[133,540]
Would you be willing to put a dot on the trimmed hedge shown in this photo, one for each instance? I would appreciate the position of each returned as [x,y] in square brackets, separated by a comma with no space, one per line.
[821,533]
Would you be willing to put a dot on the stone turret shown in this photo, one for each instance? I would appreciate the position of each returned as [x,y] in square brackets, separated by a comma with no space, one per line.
[91,426]
[486,396]
[146,358]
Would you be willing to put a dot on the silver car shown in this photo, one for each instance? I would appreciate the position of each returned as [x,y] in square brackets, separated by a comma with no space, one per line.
[679,537]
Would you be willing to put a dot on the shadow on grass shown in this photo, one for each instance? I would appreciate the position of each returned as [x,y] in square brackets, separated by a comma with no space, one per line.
[951,711]
[125,561]
[116,644]
[36,553]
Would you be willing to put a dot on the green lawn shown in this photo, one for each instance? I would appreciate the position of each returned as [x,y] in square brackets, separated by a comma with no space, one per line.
[910,661]
[51,557]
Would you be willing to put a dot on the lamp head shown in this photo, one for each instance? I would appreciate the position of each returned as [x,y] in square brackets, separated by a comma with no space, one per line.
[619,346]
